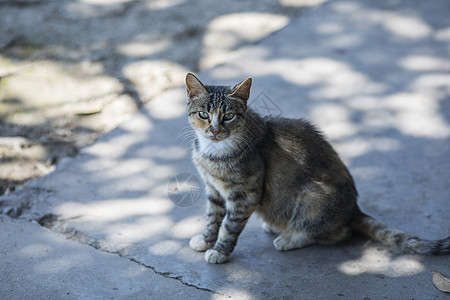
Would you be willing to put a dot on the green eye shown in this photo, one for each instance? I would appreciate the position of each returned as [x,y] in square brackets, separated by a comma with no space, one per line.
[203,115]
[228,116]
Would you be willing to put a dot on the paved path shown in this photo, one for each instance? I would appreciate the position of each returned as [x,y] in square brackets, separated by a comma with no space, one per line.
[373,75]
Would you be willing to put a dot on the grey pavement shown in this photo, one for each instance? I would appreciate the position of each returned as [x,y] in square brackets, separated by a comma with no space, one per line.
[373,75]
[40,264]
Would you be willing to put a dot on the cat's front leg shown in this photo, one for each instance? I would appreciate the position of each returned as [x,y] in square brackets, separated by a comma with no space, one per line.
[237,214]
[214,216]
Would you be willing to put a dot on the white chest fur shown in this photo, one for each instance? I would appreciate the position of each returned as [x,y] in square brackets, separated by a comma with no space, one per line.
[215,148]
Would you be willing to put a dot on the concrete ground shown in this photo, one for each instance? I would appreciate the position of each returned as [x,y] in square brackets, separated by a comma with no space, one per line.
[111,223]
[71,70]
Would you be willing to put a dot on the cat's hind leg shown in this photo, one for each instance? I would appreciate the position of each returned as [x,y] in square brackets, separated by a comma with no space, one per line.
[269,229]
[292,240]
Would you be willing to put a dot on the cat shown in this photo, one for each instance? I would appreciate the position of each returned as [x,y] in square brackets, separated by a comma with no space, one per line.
[282,169]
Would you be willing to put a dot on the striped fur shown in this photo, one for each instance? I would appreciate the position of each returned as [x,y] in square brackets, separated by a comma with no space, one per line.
[282,169]
[398,241]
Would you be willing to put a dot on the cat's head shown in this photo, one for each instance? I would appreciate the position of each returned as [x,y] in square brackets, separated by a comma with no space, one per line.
[217,112]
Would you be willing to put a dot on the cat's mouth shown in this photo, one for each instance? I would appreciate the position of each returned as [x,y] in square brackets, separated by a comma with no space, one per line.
[215,138]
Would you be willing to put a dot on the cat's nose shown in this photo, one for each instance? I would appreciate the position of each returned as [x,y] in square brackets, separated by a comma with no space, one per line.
[215,132]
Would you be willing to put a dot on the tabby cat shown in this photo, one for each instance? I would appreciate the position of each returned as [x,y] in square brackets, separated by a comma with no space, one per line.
[282,169]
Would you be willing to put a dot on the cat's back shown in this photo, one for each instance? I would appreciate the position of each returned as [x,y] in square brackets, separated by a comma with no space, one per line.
[303,148]
[297,135]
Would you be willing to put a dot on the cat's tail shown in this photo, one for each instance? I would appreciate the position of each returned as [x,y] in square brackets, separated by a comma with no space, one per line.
[396,240]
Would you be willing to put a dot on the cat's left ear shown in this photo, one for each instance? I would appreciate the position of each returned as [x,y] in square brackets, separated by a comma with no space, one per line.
[242,90]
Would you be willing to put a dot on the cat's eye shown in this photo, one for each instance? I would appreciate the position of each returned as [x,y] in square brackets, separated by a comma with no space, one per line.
[203,115]
[228,116]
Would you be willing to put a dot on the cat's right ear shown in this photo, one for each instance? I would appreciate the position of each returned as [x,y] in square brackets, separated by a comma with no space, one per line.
[194,86]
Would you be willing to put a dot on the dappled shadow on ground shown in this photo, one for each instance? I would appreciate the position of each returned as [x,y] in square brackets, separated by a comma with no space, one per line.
[57,268]
[385,109]
[74,69]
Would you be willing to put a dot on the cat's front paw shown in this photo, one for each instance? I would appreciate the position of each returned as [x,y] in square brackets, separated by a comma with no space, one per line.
[214,257]
[198,243]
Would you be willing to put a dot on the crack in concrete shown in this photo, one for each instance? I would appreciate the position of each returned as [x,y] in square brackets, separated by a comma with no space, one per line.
[171,276]
[22,202]
[48,220]
[52,222]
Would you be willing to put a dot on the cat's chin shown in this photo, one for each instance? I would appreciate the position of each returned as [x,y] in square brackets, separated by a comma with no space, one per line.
[215,138]
[214,146]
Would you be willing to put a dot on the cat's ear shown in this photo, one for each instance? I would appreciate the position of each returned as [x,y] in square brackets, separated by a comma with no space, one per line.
[242,90]
[194,86]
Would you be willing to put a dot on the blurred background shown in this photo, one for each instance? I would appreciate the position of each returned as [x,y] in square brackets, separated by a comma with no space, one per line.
[71,70]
